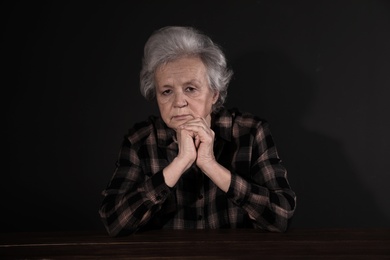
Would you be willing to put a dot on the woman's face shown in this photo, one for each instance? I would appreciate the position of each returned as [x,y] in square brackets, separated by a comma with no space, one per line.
[183,91]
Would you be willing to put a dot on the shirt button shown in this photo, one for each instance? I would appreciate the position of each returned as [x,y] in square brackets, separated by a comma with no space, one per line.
[200,217]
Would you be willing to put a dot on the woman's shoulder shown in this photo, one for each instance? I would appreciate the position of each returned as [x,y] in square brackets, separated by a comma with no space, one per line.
[236,123]
[142,129]
[244,118]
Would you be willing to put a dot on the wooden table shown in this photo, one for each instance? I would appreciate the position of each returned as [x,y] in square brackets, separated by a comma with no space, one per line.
[201,244]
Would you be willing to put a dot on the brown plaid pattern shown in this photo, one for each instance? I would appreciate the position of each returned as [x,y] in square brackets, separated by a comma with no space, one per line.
[259,195]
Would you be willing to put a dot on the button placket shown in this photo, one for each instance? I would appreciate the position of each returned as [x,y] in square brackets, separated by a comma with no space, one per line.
[200,205]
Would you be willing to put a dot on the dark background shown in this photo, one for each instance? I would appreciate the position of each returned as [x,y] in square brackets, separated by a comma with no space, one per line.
[318,71]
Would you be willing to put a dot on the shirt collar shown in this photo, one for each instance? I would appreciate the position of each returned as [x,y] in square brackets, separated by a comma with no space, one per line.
[222,124]
[164,134]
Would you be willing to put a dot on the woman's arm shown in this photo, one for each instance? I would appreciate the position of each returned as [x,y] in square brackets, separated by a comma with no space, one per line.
[131,198]
[266,196]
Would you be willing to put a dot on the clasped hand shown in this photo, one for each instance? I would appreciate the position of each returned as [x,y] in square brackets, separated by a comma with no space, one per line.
[196,142]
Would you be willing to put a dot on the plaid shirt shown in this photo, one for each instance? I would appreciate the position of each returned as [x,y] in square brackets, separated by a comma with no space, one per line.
[259,194]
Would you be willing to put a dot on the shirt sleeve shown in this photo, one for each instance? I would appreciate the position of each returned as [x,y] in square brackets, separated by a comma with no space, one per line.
[266,195]
[131,198]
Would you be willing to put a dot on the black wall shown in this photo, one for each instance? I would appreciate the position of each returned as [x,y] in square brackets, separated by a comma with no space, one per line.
[318,71]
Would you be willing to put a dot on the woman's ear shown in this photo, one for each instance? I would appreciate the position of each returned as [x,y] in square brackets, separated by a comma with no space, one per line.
[215,97]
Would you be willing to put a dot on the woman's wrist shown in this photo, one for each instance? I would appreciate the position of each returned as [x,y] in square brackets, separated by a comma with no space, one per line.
[174,170]
[218,174]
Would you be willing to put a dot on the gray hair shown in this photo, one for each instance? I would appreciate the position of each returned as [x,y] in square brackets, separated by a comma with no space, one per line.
[173,42]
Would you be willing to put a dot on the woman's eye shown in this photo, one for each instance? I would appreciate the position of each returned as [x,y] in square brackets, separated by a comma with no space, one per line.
[190,89]
[167,92]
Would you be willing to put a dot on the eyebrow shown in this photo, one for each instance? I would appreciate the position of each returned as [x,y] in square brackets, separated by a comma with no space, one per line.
[192,82]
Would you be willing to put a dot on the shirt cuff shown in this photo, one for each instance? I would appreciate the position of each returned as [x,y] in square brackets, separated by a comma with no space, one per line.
[156,189]
[239,190]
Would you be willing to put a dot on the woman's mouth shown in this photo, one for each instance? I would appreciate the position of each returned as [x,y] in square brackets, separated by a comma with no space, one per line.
[181,117]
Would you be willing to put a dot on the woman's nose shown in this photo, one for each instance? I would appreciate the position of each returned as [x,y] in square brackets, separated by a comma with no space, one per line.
[180,100]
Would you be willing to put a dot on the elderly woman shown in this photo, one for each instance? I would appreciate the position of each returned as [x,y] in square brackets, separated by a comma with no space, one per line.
[198,165]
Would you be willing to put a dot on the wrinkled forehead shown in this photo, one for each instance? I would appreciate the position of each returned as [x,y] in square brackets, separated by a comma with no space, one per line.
[182,70]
